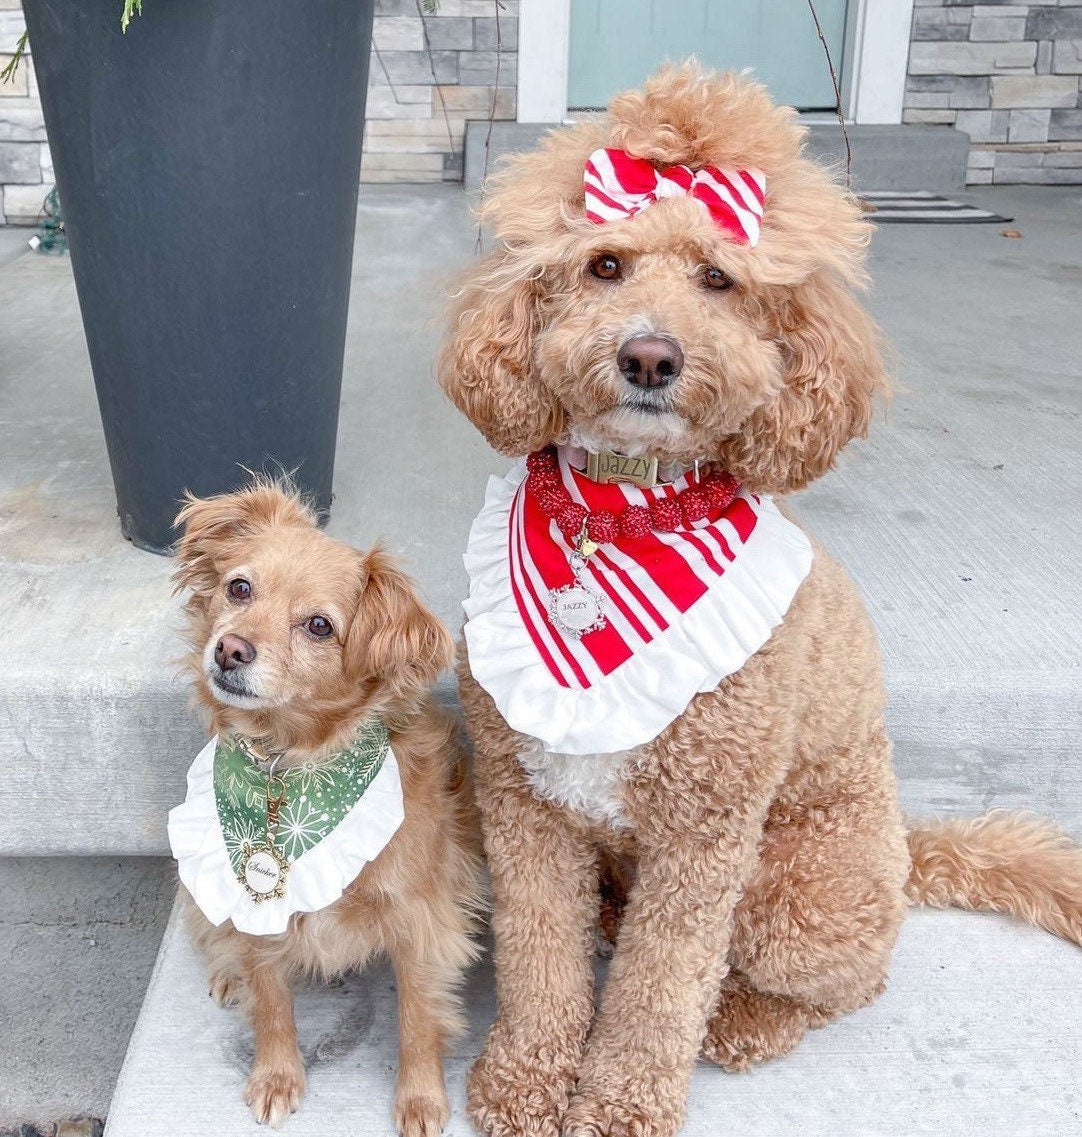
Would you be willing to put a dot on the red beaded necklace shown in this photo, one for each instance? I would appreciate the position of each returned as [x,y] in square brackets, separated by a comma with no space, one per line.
[668,514]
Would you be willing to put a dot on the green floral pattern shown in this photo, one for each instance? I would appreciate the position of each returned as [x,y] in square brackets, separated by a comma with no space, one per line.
[317,794]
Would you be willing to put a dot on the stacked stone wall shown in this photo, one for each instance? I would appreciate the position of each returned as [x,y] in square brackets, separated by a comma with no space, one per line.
[1010,76]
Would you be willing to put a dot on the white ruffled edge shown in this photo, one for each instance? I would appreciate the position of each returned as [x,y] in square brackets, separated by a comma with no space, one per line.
[315,880]
[637,701]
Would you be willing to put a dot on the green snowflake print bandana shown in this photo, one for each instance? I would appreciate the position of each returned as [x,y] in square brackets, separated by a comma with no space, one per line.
[317,794]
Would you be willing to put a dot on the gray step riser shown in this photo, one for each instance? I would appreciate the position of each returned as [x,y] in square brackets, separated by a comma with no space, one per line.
[884,157]
[957,751]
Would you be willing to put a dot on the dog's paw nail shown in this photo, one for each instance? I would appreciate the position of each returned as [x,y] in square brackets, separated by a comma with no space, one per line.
[421,1116]
[272,1095]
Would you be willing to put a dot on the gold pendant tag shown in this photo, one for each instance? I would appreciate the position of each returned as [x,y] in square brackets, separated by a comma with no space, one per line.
[264,870]
[608,466]
[264,873]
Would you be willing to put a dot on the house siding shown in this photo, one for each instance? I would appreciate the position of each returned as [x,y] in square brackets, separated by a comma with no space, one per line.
[1010,76]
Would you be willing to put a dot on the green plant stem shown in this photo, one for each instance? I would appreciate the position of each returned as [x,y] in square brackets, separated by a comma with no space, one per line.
[132,8]
[8,74]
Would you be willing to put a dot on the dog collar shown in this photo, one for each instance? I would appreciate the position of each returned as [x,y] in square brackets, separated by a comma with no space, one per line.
[604,466]
[257,844]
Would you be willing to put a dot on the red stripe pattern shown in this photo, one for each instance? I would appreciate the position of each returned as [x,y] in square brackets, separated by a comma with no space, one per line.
[618,186]
[647,582]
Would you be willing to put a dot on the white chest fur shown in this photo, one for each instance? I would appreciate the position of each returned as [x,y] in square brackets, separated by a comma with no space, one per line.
[590,784]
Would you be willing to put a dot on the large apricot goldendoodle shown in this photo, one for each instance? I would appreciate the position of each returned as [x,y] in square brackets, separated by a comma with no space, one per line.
[675,679]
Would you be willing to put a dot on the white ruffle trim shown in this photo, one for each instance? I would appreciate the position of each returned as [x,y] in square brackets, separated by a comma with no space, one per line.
[636,702]
[315,880]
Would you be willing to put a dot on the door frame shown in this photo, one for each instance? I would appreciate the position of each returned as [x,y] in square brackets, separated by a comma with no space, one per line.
[874,60]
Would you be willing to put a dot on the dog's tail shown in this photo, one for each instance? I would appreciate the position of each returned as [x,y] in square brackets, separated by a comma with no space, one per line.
[1002,862]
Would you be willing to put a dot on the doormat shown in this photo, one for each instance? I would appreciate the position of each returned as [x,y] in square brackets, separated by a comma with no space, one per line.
[924,208]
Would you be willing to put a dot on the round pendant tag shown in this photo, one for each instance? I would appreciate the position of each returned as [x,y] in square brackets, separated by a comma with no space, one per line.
[576,610]
[264,874]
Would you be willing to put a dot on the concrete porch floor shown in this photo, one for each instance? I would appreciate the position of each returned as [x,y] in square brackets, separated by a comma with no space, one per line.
[959,518]
[978,1033]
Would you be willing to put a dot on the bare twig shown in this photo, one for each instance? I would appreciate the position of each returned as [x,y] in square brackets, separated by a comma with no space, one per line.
[435,81]
[386,75]
[496,6]
[837,96]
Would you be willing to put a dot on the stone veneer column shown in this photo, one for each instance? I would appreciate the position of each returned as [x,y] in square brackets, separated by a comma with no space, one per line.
[419,100]
[26,171]
[1010,76]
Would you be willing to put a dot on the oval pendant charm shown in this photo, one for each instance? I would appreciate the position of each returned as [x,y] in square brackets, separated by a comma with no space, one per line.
[576,610]
[263,873]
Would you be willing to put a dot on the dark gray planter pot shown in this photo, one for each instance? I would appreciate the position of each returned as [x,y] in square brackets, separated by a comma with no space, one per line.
[207,163]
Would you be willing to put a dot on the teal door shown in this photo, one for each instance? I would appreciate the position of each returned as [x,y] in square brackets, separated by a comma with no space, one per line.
[615,44]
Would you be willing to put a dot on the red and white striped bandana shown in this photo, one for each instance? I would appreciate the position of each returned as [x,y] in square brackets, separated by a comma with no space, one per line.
[682,610]
[619,185]
[676,570]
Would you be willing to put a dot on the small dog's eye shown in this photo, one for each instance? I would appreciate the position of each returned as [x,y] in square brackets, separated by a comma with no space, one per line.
[715,278]
[320,627]
[605,267]
[240,589]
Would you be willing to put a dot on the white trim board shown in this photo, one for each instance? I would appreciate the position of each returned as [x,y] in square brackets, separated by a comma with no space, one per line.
[876,59]
[543,46]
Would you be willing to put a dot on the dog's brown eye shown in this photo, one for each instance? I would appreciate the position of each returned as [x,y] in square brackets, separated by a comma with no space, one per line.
[240,589]
[605,267]
[715,278]
[320,627]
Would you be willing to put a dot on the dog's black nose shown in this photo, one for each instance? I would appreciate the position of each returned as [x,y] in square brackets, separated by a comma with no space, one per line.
[650,361]
[231,651]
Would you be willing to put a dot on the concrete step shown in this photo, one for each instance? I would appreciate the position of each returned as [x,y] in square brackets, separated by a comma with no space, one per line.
[78,937]
[883,157]
[979,1032]
[961,518]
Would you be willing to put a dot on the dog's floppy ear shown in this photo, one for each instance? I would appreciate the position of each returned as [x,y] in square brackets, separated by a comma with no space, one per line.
[394,639]
[210,523]
[833,371]
[486,366]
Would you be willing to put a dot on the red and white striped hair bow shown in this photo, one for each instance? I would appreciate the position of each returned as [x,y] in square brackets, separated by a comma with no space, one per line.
[619,185]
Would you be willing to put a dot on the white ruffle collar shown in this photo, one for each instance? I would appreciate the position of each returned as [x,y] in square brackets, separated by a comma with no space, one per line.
[714,638]
[315,880]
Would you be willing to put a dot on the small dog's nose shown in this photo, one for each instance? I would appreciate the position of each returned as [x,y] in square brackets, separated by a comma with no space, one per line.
[650,361]
[231,651]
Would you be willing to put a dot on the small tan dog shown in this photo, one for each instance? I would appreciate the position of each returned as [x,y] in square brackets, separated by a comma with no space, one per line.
[772,864]
[297,642]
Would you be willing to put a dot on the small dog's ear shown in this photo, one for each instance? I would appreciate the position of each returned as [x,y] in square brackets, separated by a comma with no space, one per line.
[486,366]
[394,639]
[833,371]
[208,523]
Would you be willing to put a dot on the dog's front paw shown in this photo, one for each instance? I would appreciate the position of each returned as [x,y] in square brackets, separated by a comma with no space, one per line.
[226,988]
[274,1092]
[509,1097]
[596,1115]
[416,1115]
